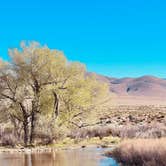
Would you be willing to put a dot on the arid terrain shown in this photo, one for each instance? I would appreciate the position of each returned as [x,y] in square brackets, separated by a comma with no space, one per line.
[145,90]
[127,122]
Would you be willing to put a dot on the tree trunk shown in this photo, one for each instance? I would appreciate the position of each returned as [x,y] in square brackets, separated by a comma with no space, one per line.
[56,105]
[33,122]
[35,110]
[25,124]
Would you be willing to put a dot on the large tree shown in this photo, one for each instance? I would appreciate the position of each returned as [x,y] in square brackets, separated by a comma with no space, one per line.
[38,80]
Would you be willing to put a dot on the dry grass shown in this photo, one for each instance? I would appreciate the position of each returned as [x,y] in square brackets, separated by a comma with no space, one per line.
[90,132]
[156,130]
[141,152]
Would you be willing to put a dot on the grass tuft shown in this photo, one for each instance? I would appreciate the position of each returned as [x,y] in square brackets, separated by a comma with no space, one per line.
[141,152]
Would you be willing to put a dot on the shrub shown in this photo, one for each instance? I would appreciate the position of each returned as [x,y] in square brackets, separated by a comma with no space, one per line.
[157,130]
[7,136]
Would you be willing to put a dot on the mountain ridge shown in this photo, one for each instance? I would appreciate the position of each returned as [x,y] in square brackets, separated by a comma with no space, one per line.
[147,89]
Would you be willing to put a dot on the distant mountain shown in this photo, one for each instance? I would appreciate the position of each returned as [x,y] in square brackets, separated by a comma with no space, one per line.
[142,90]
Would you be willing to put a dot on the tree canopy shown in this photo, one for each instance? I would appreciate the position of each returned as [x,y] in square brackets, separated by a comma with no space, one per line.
[40,82]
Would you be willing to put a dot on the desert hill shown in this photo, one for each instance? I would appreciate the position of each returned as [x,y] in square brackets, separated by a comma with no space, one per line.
[143,90]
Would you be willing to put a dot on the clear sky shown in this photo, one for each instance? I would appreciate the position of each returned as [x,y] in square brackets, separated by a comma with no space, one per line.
[112,37]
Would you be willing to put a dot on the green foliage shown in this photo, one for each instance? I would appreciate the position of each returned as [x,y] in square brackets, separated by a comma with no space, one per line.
[42,82]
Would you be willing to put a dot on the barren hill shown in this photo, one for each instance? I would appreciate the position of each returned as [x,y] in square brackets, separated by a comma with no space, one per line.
[145,90]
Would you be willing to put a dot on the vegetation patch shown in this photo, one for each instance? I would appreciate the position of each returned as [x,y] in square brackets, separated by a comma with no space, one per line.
[141,152]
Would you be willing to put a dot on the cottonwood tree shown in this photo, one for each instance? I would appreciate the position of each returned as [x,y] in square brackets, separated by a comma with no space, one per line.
[38,80]
[81,99]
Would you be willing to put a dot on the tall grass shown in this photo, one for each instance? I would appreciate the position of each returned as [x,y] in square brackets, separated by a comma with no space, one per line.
[141,152]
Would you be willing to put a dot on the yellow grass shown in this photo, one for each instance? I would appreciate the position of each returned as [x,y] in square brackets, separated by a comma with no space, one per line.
[141,152]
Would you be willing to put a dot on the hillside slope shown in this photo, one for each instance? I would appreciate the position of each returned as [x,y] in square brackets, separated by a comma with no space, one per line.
[143,90]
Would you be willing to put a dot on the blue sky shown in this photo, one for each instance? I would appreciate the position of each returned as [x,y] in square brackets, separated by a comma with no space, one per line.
[117,38]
